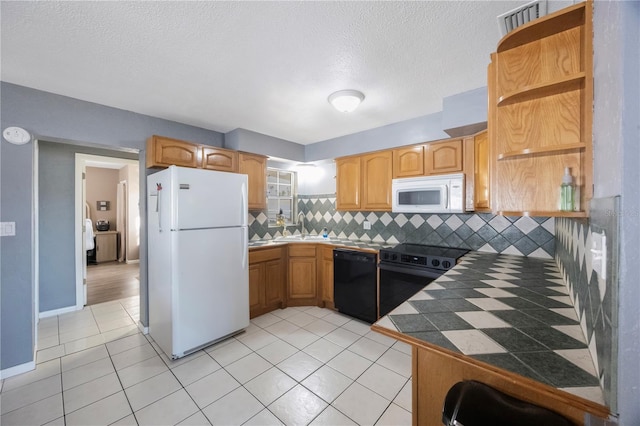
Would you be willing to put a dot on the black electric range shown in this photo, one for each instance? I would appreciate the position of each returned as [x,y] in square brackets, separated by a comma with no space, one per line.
[407,268]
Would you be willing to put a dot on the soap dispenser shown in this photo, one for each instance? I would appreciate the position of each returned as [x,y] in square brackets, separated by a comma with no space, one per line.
[567,192]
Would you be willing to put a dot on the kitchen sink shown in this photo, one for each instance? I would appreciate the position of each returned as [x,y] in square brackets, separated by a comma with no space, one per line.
[306,238]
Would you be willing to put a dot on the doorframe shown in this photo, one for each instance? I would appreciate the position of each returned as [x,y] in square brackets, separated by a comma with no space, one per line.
[81,163]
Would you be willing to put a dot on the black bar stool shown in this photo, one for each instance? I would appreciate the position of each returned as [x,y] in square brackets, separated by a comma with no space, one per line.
[471,403]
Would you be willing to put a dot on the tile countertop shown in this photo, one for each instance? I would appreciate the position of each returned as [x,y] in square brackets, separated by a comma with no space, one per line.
[337,242]
[510,312]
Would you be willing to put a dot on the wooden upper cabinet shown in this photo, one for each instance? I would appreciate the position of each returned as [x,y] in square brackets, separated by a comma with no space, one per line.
[376,181]
[348,183]
[164,152]
[255,167]
[408,162]
[541,115]
[224,160]
[443,157]
[481,172]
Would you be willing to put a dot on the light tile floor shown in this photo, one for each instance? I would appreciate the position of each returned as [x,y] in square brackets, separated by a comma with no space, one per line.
[294,366]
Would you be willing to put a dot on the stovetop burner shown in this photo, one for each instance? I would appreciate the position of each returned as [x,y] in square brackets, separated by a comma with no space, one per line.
[422,250]
[432,257]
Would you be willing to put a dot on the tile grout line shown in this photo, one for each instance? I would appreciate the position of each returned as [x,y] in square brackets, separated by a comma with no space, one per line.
[271,365]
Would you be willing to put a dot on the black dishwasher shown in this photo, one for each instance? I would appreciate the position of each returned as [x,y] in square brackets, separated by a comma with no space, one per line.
[355,284]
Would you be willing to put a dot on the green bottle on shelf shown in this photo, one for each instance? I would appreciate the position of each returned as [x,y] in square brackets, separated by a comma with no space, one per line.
[567,192]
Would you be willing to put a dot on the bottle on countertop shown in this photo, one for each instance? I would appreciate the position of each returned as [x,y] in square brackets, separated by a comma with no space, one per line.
[567,192]
[325,233]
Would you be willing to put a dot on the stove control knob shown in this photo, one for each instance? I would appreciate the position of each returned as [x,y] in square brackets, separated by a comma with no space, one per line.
[446,264]
[394,257]
[385,256]
[435,262]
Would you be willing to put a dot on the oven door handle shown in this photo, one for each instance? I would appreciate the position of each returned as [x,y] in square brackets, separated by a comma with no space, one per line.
[420,272]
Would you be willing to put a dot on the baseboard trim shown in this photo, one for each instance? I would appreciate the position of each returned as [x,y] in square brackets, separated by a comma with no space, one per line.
[54,312]
[18,369]
[142,328]
[132,261]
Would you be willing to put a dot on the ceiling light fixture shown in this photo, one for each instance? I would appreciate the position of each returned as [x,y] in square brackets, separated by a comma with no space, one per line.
[346,100]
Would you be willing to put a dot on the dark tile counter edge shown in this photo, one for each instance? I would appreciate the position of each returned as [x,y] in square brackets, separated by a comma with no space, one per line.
[348,244]
[586,404]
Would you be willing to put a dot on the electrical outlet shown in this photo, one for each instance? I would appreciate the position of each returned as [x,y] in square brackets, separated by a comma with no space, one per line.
[366,225]
[599,254]
[7,229]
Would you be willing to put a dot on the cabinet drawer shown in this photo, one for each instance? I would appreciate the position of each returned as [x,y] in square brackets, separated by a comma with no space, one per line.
[257,256]
[302,250]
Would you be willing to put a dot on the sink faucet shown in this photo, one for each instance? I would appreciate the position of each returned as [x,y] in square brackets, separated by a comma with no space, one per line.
[300,220]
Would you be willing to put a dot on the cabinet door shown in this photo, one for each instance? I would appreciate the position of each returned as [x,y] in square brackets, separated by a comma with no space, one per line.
[376,181]
[164,152]
[220,159]
[274,282]
[255,166]
[443,157]
[106,247]
[408,162]
[256,289]
[326,276]
[302,279]
[481,171]
[348,183]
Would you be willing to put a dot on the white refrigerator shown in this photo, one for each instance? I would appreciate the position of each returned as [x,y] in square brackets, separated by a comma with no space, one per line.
[197,257]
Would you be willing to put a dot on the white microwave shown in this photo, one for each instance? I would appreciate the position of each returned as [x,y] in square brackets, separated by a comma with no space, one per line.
[429,194]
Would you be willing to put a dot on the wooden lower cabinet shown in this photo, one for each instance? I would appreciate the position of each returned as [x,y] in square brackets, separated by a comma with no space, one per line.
[325,276]
[266,280]
[106,246]
[302,289]
[434,373]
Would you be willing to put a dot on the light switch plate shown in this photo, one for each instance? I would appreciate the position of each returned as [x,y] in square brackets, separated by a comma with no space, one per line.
[599,254]
[7,229]
[366,225]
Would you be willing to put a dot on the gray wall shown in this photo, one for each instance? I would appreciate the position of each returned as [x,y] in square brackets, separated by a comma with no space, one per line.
[56,214]
[465,113]
[416,130]
[16,276]
[57,118]
[246,140]
[616,172]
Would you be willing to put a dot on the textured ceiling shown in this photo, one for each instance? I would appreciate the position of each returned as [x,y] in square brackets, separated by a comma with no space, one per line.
[263,66]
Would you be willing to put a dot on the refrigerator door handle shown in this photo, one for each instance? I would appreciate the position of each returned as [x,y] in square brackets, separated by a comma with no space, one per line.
[245,248]
[243,207]
[159,209]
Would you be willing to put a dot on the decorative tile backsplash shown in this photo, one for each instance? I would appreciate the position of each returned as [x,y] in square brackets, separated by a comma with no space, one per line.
[594,299]
[528,236]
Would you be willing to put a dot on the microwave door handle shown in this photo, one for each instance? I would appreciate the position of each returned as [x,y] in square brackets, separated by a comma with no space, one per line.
[446,196]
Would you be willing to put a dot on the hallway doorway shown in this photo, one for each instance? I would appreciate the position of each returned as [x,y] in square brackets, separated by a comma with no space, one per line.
[108,197]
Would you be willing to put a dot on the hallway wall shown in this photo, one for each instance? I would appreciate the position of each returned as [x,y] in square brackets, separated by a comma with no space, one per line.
[101,185]
[129,173]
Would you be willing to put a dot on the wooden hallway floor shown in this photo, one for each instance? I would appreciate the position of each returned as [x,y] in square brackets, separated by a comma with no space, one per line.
[112,281]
